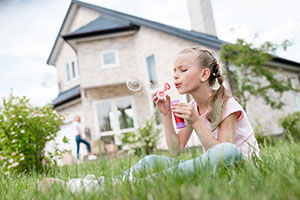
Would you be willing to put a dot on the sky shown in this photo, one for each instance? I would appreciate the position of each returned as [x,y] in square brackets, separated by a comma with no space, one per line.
[29,29]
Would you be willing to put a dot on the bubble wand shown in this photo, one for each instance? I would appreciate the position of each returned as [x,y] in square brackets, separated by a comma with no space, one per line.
[161,94]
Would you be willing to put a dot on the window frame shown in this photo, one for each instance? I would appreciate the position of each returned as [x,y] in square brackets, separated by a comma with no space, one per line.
[69,74]
[108,66]
[116,130]
[294,95]
[152,86]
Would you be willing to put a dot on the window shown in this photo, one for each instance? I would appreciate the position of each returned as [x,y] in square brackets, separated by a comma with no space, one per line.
[294,95]
[152,71]
[125,113]
[295,100]
[72,70]
[68,72]
[104,117]
[114,116]
[109,59]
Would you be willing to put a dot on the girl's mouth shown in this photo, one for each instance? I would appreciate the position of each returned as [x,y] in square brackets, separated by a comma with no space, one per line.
[177,85]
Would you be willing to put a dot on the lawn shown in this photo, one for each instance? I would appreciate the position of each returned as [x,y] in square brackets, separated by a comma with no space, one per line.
[277,176]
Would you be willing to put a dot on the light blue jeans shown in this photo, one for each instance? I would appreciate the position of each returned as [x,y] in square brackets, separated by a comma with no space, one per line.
[223,152]
[214,156]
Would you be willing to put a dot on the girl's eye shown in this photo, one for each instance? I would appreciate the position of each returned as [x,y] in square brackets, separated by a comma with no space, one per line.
[184,70]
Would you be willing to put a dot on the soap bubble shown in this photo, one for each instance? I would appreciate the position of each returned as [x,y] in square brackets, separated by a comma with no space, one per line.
[134,85]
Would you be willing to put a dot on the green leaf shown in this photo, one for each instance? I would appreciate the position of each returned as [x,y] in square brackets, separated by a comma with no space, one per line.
[65,140]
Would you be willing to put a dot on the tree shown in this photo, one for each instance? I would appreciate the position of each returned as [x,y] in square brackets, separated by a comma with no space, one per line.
[248,73]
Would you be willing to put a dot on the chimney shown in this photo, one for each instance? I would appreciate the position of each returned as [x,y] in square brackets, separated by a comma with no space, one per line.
[201,16]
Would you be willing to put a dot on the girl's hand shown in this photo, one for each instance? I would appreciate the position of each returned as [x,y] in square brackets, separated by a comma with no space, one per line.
[185,111]
[162,105]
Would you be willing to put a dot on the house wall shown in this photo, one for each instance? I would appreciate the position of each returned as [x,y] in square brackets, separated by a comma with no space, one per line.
[82,17]
[263,115]
[93,75]
[110,83]
[71,110]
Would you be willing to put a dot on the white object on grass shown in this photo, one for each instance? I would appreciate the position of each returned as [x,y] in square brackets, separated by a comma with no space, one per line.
[92,157]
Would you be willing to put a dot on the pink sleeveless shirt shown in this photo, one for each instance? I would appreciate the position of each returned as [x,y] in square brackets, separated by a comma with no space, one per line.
[244,135]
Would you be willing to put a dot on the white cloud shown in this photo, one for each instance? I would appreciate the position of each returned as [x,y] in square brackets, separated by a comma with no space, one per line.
[30,28]
[33,79]
[30,67]
[272,20]
[38,95]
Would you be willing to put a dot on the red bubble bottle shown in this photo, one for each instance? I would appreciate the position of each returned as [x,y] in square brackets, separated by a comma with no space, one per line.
[179,121]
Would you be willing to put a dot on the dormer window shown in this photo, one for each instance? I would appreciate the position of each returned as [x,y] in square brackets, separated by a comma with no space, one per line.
[72,70]
[109,59]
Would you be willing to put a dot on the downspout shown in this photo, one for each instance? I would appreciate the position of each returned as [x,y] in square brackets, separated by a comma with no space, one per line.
[71,47]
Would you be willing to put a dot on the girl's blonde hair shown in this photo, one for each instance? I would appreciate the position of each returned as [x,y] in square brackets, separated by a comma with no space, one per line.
[217,101]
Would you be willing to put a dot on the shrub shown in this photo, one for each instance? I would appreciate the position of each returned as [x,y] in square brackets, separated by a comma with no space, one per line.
[260,135]
[144,140]
[24,132]
[291,124]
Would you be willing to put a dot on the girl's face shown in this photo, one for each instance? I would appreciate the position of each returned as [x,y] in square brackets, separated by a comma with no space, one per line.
[188,76]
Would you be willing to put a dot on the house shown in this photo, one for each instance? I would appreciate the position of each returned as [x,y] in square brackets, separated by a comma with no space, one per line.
[97,50]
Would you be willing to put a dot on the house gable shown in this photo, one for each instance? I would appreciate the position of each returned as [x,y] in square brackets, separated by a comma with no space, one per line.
[102,25]
[194,36]
[134,22]
[76,17]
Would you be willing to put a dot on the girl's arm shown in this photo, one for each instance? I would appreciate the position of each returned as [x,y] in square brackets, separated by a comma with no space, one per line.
[226,128]
[226,131]
[175,142]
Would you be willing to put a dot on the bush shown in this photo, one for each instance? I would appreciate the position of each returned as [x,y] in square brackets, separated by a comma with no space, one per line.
[144,140]
[291,124]
[24,132]
[263,136]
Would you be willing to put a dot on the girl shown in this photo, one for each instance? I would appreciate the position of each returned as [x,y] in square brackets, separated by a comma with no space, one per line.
[218,119]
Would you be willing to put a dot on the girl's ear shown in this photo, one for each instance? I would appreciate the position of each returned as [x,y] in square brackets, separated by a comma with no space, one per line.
[205,74]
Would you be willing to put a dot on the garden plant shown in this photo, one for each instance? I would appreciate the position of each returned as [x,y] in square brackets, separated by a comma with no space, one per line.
[24,133]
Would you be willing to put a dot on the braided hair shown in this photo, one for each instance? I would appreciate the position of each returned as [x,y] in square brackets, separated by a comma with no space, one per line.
[206,59]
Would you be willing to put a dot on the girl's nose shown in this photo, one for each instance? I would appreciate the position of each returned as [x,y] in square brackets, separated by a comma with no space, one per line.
[175,76]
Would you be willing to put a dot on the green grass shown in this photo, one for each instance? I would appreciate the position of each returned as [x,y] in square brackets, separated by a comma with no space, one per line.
[276,177]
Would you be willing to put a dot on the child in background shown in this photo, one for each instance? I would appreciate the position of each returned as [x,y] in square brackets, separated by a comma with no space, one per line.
[79,138]
[219,121]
